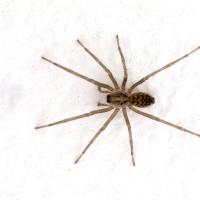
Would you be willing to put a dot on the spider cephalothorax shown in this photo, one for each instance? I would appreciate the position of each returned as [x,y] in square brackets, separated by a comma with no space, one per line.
[118,98]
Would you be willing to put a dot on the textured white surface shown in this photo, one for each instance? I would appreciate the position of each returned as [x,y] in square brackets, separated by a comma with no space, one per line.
[38,164]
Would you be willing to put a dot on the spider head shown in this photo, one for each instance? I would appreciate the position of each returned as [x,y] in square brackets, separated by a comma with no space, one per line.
[117,98]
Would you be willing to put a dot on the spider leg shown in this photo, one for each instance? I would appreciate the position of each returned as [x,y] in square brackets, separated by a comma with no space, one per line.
[94,112]
[161,69]
[162,121]
[98,133]
[124,64]
[98,84]
[100,63]
[130,133]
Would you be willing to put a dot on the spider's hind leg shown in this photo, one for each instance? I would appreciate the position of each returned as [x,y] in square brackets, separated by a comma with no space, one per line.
[163,121]
[162,68]
[130,133]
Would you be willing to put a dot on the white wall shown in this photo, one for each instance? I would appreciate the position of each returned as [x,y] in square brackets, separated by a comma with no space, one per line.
[38,164]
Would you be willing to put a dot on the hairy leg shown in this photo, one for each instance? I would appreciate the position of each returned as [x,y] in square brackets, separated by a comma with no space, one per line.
[130,133]
[162,121]
[97,134]
[94,112]
[161,69]
[123,63]
[98,84]
[100,63]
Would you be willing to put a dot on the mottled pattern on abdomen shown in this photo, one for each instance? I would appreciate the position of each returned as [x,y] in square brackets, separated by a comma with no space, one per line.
[141,99]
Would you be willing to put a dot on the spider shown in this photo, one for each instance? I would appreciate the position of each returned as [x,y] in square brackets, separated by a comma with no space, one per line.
[118,98]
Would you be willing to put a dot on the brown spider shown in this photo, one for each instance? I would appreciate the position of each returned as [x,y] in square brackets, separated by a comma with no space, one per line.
[118,97]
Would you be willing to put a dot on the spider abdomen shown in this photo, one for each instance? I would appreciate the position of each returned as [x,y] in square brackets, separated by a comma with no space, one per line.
[141,99]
